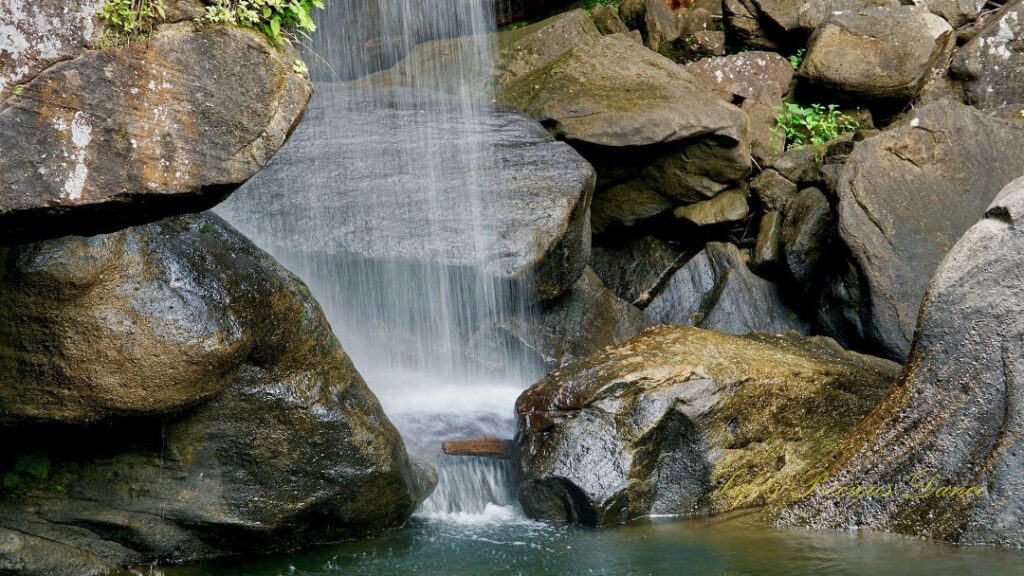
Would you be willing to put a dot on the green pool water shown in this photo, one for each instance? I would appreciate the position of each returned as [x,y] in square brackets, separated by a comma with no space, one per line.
[503,544]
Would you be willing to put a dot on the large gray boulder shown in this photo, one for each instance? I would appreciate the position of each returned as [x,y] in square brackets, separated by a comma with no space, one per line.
[883,53]
[906,196]
[292,450]
[991,65]
[953,419]
[356,198]
[660,424]
[97,140]
[716,290]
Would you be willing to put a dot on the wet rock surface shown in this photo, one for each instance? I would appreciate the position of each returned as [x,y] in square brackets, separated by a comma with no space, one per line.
[535,192]
[716,290]
[126,135]
[656,425]
[292,449]
[954,409]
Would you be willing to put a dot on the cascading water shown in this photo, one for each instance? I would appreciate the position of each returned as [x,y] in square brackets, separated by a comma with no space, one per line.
[414,163]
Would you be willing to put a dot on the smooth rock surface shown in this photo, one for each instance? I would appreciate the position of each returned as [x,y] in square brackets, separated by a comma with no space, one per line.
[906,196]
[637,269]
[877,53]
[715,290]
[292,451]
[535,192]
[729,207]
[955,408]
[660,424]
[126,135]
[807,237]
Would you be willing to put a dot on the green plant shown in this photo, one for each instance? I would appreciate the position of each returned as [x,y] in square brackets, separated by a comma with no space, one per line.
[19,89]
[300,68]
[589,5]
[797,59]
[816,124]
[275,18]
[128,18]
[30,467]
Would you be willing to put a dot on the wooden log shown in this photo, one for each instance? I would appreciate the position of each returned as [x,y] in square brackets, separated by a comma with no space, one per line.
[482,447]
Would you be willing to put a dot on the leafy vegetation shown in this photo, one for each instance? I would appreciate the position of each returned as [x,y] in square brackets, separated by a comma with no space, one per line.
[589,5]
[278,19]
[129,18]
[30,467]
[816,124]
[797,59]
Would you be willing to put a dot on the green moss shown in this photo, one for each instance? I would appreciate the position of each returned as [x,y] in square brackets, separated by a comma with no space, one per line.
[26,470]
[19,89]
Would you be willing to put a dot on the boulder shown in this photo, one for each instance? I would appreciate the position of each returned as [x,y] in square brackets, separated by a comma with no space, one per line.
[663,423]
[123,135]
[607,20]
[765,258]
[637,269]
[772,190]
[740,77]
[653,18]
[744,26]
[623,206]
[957,12]
[368,203]
[577,324]
[807,239]
[947,440]
[991,65]
[906,196]
[884,53]
[715,290]
[729,207]
[439,65]
[292,450]
[642,99]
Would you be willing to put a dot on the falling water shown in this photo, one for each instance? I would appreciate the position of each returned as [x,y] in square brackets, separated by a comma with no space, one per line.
[398,241]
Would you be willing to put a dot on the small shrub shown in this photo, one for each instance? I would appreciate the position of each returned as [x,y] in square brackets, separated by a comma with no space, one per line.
[28,468]
[797,59]
[816,124]
[128,18]
[278,19]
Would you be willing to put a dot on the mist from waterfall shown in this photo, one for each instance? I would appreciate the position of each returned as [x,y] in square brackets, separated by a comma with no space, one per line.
[416,328]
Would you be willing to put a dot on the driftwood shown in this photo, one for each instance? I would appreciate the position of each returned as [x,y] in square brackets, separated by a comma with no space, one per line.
[482,447]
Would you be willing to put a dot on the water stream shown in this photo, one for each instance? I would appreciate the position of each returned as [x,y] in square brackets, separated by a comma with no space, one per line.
[399,248]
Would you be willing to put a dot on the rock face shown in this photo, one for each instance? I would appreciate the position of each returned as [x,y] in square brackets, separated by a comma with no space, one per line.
[534,192]
[955,409]
[715,290]
[637,269]
[877,53]
[637,115]
[906,196]
[660,424]
[992,65]
[293,448]
[125,135]
[956,12]
[577,324]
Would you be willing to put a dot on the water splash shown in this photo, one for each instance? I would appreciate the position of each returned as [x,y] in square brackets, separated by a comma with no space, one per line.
[410,316]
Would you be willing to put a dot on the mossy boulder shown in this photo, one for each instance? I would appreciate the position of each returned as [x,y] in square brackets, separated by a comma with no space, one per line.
[661,424]
[266,438]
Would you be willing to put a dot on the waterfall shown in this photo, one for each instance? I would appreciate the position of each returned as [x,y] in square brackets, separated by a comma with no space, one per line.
[404,189]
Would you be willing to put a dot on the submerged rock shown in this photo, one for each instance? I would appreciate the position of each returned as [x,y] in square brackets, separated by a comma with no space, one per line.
[355,197]
[906,196]
[953,418]
[715,290]
[123,135]
[577,324]
[292,450]
[661,424]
